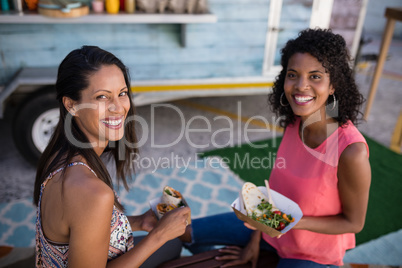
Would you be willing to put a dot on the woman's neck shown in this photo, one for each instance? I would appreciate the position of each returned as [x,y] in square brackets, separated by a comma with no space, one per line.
[316,128]
[98,145]
[99,150]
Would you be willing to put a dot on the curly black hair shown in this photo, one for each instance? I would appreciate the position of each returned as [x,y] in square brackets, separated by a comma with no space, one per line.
[329,49]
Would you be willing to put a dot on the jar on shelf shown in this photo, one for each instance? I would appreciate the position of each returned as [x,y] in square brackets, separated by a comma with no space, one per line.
[162,4]
[18,6]
[112,6]
[98,6]
[32,4]
[5,6]
[129,6]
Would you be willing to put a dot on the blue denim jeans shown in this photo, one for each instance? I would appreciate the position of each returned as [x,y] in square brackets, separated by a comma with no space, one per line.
[227,229]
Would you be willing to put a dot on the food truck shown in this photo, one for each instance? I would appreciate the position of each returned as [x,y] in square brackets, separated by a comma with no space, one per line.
[230,48]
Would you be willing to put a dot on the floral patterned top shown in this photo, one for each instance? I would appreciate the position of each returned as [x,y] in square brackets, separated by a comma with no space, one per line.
[53,254]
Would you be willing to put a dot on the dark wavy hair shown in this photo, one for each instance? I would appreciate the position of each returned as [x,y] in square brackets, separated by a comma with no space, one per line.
[72,78]
[329,49]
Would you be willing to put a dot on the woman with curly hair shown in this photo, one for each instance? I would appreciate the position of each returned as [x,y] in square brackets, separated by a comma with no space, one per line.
[330,50]
[327,171]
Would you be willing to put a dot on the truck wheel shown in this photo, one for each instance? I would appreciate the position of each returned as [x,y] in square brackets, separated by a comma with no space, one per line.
[34,125]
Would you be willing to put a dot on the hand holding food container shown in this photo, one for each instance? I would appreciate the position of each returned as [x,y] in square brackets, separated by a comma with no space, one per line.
[273,218]
[170,200]
[173,213]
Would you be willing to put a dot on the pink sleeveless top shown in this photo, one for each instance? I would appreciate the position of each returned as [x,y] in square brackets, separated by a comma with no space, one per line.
[53,254]
[309,177]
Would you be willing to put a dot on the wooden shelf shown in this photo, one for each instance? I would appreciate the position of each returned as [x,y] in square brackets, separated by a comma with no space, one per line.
[105,18]
[110,18]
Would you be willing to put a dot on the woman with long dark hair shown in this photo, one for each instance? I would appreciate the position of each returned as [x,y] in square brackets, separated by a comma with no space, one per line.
[80,221]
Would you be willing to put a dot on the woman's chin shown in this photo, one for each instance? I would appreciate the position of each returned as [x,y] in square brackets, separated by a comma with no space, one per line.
[304,111]
[300,112]
[116,136]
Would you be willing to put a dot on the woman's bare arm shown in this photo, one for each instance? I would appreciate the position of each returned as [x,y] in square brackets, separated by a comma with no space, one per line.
[145,222]
[88,207]
[354,178]
[88,210]
[172,225]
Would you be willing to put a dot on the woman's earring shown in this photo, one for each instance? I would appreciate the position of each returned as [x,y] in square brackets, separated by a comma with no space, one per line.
[333,103]
[72,112]
[280,100]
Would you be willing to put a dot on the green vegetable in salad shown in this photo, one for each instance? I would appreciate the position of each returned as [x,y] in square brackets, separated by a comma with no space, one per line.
[266,214]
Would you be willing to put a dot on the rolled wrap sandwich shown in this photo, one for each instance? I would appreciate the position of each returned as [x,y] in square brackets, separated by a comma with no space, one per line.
[170,200]
[162,208]
[252,197]
[172,197]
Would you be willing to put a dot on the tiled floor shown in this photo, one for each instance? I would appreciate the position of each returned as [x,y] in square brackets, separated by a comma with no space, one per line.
[207,189]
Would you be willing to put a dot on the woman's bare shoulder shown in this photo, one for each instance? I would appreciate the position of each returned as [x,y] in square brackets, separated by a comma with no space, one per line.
[355,152]
[84,190]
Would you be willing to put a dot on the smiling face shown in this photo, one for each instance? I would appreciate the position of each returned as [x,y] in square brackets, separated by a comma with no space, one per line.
[103,106]
[307,85]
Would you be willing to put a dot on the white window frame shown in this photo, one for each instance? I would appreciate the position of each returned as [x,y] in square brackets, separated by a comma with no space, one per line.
[320,17]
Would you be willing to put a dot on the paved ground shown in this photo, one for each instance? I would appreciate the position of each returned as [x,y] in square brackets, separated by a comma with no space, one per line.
[230,113]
